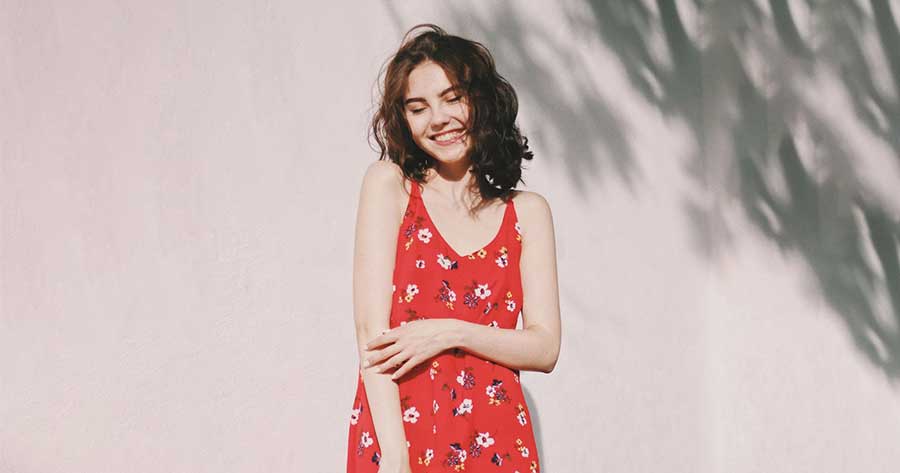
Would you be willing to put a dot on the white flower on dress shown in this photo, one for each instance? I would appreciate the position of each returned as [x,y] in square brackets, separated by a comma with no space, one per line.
[510,305]
[494,324]
[354,416]
[434,406]
[521,417]
[420,263]
[482,291]
[445,262]
[502,261]
[518,227]
[429,454]
[411,415]
[366,440]
[484,439]
[465,407]
[424,235]
[412,289]
[466,380]
[524,451]
[451,294]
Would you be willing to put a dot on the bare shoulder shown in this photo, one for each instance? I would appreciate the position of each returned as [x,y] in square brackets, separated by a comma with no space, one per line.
[383,179]
[382,173]
[533,212]
[531,199]
[383,185]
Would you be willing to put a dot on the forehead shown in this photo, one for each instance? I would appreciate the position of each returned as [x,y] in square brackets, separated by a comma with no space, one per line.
[426,79]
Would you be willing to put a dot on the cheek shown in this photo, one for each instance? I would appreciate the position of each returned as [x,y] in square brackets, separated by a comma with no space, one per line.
[417,127]
[465,110]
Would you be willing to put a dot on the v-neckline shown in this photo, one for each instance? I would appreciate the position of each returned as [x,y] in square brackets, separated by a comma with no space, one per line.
[440,236]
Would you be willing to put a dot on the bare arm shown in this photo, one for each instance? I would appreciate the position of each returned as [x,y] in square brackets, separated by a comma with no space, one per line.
[536,347]
[377,225]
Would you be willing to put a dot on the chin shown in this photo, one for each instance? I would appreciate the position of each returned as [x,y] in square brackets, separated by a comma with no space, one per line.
[453,160]
[455,156]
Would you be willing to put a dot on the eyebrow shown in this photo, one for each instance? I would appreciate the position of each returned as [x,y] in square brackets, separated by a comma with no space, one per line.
[420,99]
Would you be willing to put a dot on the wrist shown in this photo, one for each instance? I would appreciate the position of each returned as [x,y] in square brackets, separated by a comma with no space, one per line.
[456,333]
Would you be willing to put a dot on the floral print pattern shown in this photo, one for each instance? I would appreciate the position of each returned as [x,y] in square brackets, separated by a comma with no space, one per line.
[460,412]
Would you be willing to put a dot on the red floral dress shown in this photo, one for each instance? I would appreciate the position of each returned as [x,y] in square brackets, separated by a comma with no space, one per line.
[460,412]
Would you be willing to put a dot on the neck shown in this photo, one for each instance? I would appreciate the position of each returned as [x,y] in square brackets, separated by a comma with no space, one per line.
[453,181]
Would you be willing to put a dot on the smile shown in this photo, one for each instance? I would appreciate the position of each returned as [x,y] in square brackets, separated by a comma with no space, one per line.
[448,138]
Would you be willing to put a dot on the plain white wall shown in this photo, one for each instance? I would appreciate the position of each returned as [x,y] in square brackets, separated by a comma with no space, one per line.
[179,185]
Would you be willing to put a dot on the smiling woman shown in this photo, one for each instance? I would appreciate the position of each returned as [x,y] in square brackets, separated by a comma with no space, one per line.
[438,84]
[438,288]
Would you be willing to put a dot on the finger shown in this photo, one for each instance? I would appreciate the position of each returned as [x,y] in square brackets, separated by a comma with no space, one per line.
[379,356]
[394,361]
[375,341]
[381,339]
[408,366]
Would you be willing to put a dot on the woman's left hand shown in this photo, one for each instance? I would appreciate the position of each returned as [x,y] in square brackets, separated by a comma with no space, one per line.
[410,344]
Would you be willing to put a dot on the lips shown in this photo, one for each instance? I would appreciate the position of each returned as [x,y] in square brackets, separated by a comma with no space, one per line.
[449,136]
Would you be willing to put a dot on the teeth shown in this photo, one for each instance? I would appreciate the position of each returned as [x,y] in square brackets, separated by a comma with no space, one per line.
[449,136]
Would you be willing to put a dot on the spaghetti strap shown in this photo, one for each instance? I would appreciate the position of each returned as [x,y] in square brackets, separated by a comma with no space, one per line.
[412,201]
[513,214]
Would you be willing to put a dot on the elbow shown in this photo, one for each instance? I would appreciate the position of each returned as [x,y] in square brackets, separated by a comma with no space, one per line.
[551,359]
[549,363]
[548,367]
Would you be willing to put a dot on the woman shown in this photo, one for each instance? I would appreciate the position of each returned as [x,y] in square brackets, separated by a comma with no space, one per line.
[436,302]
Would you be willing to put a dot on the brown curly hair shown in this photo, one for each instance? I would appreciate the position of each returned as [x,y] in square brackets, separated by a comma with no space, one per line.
[498,147]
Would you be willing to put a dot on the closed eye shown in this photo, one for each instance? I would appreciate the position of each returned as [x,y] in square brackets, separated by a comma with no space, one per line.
[419,110]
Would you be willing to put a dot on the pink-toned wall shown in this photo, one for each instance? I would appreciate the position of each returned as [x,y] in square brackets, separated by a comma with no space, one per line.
[178,190]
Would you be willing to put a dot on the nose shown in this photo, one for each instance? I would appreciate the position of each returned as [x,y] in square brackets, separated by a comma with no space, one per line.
[440,117]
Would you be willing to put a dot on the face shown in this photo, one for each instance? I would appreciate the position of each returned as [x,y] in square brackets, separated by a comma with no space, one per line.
[436,114]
